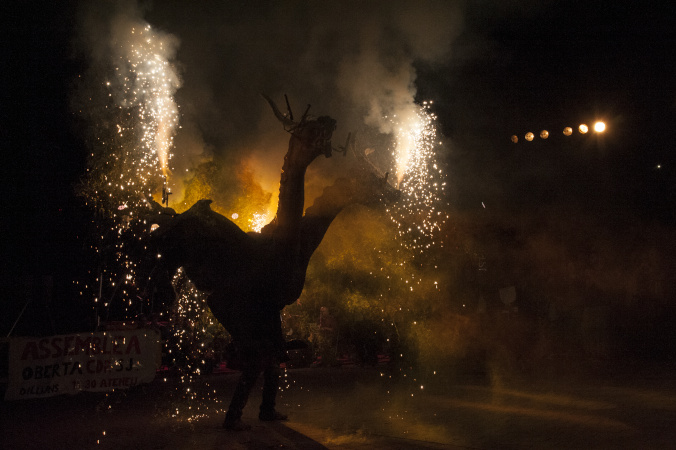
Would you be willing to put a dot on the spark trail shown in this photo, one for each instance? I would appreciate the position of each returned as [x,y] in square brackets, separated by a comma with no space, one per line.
[134,127]
[148,82]
[419,177]
[133,118]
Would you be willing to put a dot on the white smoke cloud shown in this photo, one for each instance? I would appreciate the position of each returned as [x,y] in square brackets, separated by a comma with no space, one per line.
[354,61]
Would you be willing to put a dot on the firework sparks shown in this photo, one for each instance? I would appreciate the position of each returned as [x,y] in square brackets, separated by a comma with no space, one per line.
[259,221]
[134,127]
[148,83]
[419,178]
[194,328]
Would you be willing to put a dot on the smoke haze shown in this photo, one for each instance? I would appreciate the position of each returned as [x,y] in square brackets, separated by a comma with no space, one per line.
[582,226]
[353,61]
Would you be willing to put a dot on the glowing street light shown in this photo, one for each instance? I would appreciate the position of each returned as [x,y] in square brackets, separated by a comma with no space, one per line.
[598,127]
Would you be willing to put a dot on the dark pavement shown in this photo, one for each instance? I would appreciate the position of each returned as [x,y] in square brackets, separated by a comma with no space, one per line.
[358,408]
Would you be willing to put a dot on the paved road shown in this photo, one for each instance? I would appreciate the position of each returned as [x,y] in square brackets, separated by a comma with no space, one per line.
[354,408]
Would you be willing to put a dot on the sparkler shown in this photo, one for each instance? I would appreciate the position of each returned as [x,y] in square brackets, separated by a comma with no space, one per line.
[134,131]
[134,128]
[148,82]
[419,177]
[144,86]
[418,215]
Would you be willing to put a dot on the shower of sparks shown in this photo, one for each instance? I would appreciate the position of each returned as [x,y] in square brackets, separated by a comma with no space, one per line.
[190,349]
[421,181]
[258,222]
[133,117]
[148,82]
[419,215]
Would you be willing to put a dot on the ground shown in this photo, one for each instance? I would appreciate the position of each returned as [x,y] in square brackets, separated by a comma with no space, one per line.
[351,407]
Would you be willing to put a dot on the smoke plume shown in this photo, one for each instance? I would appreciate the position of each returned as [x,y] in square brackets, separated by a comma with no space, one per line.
[351,60]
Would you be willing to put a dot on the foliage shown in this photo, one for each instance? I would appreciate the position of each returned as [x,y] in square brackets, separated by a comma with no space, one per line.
[232,187]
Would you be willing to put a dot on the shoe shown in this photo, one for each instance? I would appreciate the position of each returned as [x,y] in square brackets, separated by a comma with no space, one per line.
[269,416]
[236,425]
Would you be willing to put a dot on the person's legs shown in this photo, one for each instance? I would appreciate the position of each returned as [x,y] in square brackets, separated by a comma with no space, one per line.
[250,372]
[270,387]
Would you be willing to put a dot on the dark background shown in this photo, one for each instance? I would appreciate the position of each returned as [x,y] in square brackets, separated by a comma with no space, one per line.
[522,66]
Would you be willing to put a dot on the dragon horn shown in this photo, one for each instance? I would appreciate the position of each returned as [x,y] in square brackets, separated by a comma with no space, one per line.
[281,117]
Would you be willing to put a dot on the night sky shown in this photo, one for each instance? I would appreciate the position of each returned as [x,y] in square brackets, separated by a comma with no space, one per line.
[493,69]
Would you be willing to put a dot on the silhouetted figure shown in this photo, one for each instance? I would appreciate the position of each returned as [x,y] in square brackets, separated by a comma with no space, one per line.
[251,277]
[259,347]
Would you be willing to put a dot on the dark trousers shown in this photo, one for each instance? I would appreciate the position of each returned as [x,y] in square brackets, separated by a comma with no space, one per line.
[247,380]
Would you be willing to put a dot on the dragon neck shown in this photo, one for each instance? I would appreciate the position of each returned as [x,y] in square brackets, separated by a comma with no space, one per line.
[324,210]
[291,192]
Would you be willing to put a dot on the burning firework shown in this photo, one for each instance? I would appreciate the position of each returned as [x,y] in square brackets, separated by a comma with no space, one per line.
[419,177]
[147,83]
[258,222]
[133,128]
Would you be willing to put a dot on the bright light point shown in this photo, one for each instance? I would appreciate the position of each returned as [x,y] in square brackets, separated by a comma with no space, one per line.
[235,216]
[659,166]
[418,177]
[258,222]
[567,131]
[583,128]
[529,136]
[544,134]
[599,127]
[154,227]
